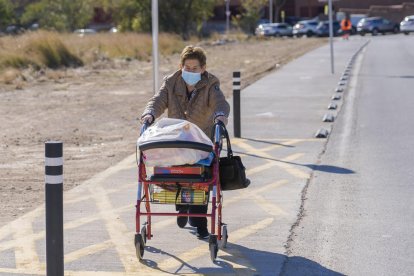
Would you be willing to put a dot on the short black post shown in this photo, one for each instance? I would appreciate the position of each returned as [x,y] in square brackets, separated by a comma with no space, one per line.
[236,104]
[54,208]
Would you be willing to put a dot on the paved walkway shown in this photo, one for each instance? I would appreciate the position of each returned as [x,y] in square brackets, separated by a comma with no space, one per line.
[280,115]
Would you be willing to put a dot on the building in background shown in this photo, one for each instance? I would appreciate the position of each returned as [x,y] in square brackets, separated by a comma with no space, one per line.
[314,8]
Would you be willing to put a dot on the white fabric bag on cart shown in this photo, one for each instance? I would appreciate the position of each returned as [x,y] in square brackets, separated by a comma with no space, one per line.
[170,130]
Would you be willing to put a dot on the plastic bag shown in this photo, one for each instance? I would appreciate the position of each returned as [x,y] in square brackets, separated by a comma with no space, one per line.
[168,129]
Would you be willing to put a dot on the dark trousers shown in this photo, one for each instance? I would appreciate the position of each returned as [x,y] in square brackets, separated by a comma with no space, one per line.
[199,222]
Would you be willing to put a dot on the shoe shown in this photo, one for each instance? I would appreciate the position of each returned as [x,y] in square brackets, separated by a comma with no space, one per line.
[182,220]
[247,183]
[202,233]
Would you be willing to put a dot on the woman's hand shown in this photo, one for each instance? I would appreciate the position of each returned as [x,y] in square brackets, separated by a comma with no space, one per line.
[147,119]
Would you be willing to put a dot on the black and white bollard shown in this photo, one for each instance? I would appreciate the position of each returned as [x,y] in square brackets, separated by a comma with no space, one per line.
[236,104]
[54,208]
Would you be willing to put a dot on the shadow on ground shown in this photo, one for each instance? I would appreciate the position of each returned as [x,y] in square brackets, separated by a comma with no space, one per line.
[240,260]
[315,167]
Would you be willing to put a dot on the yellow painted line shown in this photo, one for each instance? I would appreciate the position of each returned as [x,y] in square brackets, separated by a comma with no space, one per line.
[258,140]
[268,207]
[248,193]
[118,233]
[116,229]
[25,252]
[293,171]
[288,143]
[70,225]
[268,148]
[8,229]
[287,167]
[11,271]
[75,255]
[243,195]
[260,168]
[77,199]
[100,177]
[203,249]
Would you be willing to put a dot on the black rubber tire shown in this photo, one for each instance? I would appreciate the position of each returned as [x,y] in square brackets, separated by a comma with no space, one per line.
[362,33]
[213,247]
[144,233]
[224,237]
[139,246]
[406,33]
[309,34]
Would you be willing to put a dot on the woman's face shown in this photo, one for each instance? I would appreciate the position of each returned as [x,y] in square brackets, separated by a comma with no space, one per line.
[193,65]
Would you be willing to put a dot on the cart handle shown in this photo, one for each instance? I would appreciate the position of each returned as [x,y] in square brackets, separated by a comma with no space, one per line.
[144,127]
[176,144]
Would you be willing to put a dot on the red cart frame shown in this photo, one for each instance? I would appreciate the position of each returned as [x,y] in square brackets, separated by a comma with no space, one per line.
[218,232]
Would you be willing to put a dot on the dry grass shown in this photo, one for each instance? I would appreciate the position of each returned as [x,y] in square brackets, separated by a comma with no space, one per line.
[39,49]
[53,50]
[43,49]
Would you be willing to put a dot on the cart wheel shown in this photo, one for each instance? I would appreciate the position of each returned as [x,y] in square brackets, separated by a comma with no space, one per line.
[224,237]
[213,246]
[139,246]
[144,233]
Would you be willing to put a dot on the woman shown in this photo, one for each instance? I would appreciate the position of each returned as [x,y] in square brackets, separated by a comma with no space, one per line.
[192,94]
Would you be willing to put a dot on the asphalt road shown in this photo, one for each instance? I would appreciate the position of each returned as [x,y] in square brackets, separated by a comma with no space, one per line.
[361,222]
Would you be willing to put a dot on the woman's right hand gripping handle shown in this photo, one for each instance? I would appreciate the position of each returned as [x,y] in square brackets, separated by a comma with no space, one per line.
[146,121]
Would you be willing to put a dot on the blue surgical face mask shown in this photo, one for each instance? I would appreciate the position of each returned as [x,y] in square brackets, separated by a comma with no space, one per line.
[190,78]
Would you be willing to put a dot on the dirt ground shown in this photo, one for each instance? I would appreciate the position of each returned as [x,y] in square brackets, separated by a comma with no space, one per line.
[94,110]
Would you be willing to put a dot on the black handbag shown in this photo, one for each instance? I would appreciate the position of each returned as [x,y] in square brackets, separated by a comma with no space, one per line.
[232,170]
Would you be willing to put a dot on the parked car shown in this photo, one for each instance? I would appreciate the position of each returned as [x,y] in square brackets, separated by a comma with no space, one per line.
[355,18]
[14,30]
[274,29]
[305,27]
[292,20]
[376,25]
[323,28]
[113,30]
[407,25]
[83,32]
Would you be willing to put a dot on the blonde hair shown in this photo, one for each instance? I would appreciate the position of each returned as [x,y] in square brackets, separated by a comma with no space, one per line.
[192,52]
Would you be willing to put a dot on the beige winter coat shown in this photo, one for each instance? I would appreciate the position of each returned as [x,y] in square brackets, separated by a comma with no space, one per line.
[205,104]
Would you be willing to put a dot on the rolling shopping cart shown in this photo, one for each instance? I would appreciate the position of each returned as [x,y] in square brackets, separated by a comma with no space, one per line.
[182,185]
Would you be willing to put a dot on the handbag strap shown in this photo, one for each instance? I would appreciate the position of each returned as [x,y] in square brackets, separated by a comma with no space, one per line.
[229,150]
[226,135]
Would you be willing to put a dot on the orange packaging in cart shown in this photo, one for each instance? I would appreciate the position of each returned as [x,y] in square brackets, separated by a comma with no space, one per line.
[186,170]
